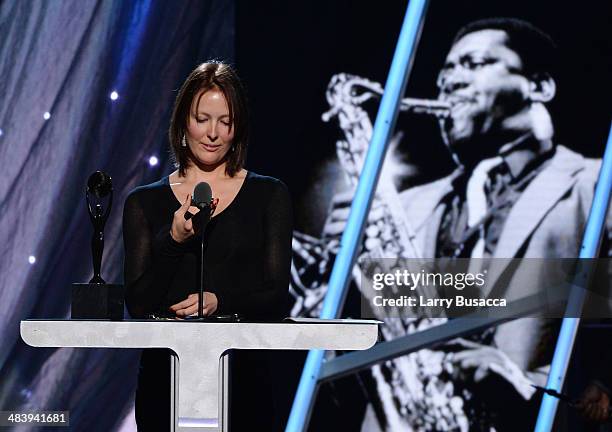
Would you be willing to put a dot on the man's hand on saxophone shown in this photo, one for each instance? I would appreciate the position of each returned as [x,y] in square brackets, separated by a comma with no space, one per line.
[337,218]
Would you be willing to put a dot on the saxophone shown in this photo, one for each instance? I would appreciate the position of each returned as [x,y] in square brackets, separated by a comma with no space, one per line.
[389,234]
[414,394]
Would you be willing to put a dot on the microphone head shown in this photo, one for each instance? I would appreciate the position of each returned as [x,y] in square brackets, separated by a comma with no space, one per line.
[202,194]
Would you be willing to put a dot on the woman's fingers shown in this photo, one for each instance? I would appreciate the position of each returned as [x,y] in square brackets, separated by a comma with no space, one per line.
[211,303]
[189,306]
[190,300]
[187,203]
[191,310]
[208,309]
[182,227]
[185,206]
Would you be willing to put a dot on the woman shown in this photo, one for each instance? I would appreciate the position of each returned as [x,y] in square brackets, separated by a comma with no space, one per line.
[248,242]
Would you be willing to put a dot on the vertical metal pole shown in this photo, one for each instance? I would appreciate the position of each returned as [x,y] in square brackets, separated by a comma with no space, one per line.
[224,385]
[569,328]
[174,387]
[351,238]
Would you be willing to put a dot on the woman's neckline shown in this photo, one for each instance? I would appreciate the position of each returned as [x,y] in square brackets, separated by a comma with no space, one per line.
[242,186]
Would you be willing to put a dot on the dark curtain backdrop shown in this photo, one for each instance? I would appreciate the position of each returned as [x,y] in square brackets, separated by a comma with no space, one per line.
[66,57]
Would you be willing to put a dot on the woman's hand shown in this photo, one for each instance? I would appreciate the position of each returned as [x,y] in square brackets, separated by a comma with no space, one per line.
[189,306]
[182,229]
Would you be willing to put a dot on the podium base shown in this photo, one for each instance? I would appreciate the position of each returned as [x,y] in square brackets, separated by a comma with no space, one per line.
[97,301]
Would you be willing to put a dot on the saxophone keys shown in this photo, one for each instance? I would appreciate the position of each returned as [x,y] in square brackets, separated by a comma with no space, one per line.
[372,243]
[372,231]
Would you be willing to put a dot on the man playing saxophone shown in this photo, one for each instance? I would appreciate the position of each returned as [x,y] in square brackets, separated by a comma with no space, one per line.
[515,193]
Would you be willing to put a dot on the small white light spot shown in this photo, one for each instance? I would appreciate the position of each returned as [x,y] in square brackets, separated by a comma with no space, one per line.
[47,115]
[114,95]
[31,259]
[153,161]
[1,132]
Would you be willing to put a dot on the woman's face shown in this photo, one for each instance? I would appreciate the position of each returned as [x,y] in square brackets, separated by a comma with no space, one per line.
[209,136]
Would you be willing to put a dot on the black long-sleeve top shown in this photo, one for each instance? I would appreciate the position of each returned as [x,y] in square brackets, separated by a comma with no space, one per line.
[247,257]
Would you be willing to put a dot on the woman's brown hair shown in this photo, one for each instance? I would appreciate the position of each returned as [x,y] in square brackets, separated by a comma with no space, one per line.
[207,76]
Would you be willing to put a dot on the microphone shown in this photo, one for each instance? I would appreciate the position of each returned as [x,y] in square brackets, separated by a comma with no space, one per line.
[202,194]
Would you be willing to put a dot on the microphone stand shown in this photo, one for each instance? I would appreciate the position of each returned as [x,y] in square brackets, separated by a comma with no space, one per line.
[203,217]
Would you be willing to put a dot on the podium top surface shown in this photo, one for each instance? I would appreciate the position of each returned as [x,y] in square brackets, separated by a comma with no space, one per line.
[288,320]
[176,334]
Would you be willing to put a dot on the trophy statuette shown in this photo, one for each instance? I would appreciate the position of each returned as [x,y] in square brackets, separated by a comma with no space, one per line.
[97,299]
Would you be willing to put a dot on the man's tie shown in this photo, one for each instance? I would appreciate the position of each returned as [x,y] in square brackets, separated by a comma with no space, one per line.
[479,189]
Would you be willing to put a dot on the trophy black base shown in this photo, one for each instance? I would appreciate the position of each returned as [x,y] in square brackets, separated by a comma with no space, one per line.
[97,301]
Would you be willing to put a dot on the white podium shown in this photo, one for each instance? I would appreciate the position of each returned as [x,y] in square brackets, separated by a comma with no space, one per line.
[199,370]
